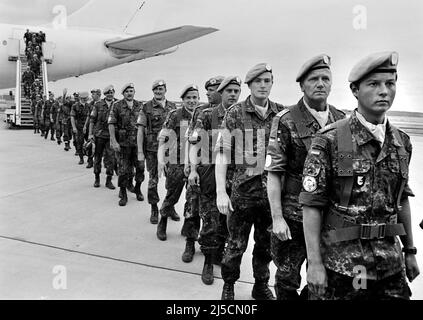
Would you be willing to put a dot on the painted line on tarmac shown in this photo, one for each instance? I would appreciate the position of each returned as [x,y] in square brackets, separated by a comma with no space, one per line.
[110,258]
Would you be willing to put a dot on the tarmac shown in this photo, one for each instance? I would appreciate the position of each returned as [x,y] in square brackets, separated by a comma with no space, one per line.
[61,239]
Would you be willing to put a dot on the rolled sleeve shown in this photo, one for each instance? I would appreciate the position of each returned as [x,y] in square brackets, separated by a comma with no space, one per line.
[142,119]
[113,115]
[276,159]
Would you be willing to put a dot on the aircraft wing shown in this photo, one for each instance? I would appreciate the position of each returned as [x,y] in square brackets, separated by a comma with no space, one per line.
[159,41]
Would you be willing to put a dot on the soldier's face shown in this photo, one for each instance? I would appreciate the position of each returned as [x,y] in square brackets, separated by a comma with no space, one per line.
[261,86]
[230,95]
[317,85]
[84,100]
[95,96]
[210,93]
[190,100]
[129,94]
[159,92]
[376,93]
[110,95]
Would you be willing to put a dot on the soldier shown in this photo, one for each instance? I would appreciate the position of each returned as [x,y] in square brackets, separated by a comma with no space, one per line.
[207,122]
[173,134]
[28,78]
[123,125]
[150,122]
[78,117]
[47,114]
[36,108]
[63,118]
[355,196]
[27,37]
[36,88]
[38,52]
[35,64]
[290,140]
[249,122]
[99,133]
[96,96]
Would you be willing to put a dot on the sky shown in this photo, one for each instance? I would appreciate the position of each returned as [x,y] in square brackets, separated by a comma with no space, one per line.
[283,34]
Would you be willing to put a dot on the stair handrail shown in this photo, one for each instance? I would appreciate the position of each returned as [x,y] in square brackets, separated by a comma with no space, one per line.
[45,77]
[18,91]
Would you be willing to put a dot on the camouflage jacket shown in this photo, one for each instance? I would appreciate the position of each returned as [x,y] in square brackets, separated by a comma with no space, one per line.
[124,119]
[377,176]
[64,112]
[152,117]
[245,137]
[80,112]
[174,133]
[98,117]
[287,152]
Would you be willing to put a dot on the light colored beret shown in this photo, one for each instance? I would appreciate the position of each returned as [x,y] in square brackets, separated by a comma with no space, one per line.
[227,81]
[318,62]
[256,71]
[377,62]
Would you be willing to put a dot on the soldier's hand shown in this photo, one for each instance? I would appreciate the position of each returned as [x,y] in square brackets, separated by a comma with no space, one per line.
[317,279]
[194,179]
[281,230]
[74,131]
[115,146]
[411,267]
[223,202]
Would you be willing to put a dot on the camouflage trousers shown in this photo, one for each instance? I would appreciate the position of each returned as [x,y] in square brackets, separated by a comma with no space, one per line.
[127,161]
[36,121]
[340,287]
[48,126]
[78,141]
[67,131]
[214,230]
[288,257]
[59,131]
[240,221]
[175,182]
[153,177]
[104,152]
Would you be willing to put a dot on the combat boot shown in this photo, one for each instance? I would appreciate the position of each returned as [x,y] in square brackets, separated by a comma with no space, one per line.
[137,190]
[154,219]
[90,163]
[207,274]
[228,291]
[67,147]
[46,135]
[261,291]
[109,183]
[174,215]
[97,181]
[81,160]
[189,252]
[52,138]
[124,200]
[59,142]
[161,229]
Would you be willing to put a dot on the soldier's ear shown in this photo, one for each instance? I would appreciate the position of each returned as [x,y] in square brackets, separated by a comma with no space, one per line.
[301,87]
[354,89]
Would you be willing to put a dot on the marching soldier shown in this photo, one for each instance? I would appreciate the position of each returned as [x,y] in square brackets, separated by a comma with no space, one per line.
[150,122]
[355,196]
[249,122]
[47,114]
[173,137]
[96,96]
[99,133]
[28,78]
[122,122]
[78,117]
[290,141]
[207,122]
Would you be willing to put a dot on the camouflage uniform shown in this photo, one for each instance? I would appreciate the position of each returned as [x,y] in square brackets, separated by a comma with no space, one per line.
[79,112]
[152,117]
[63,119]
[374,199]
[214,231]
[287,151]
[124,119]
[249,196]
[98,118]
[49,107]
[36,108]
[178,121]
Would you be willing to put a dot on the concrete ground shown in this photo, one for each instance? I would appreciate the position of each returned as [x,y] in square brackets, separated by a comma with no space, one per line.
[62,239]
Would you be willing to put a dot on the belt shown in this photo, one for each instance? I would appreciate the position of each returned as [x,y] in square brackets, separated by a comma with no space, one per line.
[347,230]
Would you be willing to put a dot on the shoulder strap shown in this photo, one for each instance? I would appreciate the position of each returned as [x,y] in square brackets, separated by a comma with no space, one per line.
[402,155]
[148,110]
[275,124]
[304,133]
[345,161]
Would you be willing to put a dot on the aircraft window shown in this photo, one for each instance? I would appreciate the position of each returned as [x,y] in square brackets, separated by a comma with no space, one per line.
[4,42]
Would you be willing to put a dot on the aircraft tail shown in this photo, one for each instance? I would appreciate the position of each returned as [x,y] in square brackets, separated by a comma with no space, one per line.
[117,15]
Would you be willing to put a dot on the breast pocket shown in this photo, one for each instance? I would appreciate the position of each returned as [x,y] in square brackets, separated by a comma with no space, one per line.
[393,163]
[361,169]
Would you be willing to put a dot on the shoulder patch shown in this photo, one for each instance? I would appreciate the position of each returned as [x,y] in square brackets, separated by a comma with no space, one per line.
[282,113]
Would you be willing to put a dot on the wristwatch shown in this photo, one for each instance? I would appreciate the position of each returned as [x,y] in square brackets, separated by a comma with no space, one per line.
[412,250]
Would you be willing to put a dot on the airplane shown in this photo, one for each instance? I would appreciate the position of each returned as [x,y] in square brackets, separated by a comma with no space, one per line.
[91,39]
[75,51]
